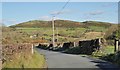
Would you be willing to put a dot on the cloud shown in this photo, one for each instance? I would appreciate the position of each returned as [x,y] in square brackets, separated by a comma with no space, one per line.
[48,18]
[93,14]
[8,22]
[1,21]
[107,5]
[61,12]
[116,11]
[96,13]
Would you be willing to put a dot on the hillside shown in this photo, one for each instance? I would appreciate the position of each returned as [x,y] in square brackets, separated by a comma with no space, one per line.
[62,23]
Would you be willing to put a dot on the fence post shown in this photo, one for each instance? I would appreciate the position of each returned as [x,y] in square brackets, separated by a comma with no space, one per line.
[116,46]
[74,44]
[32,48]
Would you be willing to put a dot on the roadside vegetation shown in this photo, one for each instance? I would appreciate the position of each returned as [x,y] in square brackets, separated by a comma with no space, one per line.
[26,61]
[16,50]
[108,53]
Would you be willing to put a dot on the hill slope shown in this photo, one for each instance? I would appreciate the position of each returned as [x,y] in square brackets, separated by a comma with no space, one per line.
[62,23]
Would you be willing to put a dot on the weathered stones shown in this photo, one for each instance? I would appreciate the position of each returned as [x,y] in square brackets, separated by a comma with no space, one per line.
[68,45]
[89,46]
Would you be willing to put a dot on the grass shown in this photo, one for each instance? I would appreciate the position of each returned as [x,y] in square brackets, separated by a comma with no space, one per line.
[64,32]
[70,33]
[95,28]
[34,61]
[109,49]
[106,51]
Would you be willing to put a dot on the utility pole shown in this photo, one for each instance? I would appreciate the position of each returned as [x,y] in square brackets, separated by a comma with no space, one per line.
[57,34]
[53,26]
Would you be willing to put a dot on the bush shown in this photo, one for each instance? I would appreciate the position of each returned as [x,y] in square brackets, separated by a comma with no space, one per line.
[109,57]
[75,50]
[114,58]
[117,58]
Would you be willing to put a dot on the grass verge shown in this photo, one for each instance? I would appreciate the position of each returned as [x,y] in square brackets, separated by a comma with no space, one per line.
[26,61]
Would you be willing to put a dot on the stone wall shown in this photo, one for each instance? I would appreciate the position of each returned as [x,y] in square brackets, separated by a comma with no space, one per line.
[89,46]
[68,45]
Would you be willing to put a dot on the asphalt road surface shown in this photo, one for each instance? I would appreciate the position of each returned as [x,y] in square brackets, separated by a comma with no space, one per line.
[62,60]
[0,64]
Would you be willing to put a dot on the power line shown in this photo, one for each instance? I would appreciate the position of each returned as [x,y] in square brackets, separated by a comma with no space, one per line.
[53,24]
[62,8]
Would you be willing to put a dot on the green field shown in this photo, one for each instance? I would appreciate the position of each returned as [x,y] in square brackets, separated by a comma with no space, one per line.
[70,33]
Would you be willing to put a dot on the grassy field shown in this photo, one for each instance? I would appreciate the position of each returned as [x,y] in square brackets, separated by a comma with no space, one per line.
[99,29]
[46,33]
[64,34]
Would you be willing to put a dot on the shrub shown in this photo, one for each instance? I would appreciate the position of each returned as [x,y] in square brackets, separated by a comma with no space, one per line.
[115,58]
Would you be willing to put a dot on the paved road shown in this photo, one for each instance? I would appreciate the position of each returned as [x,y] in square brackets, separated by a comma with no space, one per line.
[61,60]
[0,64]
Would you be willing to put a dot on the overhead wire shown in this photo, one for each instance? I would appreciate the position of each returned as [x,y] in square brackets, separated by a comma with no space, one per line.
[62,8]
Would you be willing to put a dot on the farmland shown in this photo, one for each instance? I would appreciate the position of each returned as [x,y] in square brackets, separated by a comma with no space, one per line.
[64,29]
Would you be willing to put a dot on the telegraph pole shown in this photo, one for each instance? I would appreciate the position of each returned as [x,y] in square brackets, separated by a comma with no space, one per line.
[57,34]
[54,23]
[53,26]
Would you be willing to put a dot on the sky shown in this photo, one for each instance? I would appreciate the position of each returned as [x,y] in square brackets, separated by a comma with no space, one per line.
[59,0]
[18,12]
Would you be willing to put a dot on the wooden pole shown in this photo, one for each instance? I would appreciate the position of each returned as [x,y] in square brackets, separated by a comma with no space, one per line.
[74,44]
[118,46]
[32,49]
[57,34]
[53,31]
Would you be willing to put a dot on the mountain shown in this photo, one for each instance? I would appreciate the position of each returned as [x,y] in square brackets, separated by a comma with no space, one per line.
[62,23]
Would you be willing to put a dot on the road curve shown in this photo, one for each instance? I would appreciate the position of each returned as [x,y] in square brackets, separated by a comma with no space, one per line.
[61,60]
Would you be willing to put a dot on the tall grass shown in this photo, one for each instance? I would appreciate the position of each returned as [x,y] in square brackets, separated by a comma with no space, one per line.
[26,61]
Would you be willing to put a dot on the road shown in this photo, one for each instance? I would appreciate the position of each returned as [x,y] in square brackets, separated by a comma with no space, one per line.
[0,64]
[62,60]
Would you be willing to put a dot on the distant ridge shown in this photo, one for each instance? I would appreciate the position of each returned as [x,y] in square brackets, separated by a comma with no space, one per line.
[62,23]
